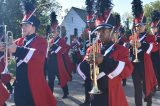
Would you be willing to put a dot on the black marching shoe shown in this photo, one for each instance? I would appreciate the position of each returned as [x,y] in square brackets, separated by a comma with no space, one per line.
[4,104]
[149,104]
[124,84]
[158,88]
[65,95]
[86,103]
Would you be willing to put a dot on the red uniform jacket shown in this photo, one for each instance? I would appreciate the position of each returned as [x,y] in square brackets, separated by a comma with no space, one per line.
[6,77]
[63,74]
[3,92]
[41,93]
[69,64]
[116,92]
[150,77]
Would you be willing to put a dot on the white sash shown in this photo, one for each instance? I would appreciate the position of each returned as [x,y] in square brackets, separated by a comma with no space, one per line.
[56,41]
[142,38]
[28,42]
[108,50]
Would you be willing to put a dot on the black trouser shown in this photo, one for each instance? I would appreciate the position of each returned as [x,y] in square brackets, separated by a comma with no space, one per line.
[76,58]
[156,65]
[124,82]
[65,90]
[99,100]
[52,71]
[51,79]
[88,88]
[4,104]
[139,84]
[22,95]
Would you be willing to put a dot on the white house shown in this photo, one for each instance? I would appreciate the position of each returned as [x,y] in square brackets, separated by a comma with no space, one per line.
[75,19]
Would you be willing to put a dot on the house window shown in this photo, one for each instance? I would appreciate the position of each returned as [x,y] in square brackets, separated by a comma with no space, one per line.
[72,19]
[75,32]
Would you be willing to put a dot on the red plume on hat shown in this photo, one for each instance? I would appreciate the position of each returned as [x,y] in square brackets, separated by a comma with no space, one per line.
[89,8]
[104,8]
[138,13]
[155,16]
[28,7]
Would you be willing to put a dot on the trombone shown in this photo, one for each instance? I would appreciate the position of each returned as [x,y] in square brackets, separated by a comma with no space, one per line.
[8,38]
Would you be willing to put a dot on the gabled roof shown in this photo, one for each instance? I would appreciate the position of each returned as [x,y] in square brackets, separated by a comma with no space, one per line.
[82,13]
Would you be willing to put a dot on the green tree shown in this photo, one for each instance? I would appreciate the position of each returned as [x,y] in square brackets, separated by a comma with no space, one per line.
[148,9]
[44,8]
[11,14]
[127,19]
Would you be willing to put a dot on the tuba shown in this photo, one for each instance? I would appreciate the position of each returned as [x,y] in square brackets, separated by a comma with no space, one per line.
[94,69]
[8,39]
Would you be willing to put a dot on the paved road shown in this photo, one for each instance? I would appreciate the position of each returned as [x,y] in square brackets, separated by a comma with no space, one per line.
[77,94]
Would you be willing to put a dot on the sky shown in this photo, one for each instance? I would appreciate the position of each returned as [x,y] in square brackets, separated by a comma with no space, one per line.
[120,6]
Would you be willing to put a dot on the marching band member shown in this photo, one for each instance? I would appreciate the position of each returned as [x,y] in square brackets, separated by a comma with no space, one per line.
[31,89]
[143,44]
[88,30]
[67,60]
[113,62]
[75,47]
[155,28]
[120,37]
[55,63]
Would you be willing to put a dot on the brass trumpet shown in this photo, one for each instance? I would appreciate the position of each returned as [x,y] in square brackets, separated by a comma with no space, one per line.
[94,69]
[135,49]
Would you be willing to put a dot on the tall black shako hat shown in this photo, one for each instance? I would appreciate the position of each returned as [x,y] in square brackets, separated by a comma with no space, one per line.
[104,17]
[53,19]
[28,11]
[90,11]
[138,13]
[155,18]
[117,18]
